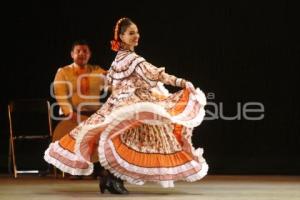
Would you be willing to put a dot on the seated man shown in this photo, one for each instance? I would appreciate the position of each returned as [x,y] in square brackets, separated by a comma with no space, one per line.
[77,88]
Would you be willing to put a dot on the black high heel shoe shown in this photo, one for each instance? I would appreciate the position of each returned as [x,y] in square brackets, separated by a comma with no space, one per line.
[112,184]
[122,187]
[103,184]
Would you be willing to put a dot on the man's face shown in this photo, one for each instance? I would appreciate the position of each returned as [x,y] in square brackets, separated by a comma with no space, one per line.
[81,54]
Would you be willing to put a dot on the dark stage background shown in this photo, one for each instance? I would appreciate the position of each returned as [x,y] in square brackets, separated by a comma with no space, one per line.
[236,52]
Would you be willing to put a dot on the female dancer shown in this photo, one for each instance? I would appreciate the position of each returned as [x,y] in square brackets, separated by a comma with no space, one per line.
[141,133]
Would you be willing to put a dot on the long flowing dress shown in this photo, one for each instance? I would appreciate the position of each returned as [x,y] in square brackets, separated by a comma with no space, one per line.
[141,133]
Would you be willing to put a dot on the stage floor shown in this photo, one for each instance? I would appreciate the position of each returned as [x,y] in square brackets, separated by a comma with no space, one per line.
[211,187]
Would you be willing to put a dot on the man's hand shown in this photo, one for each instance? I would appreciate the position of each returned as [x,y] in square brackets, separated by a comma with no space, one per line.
[73,116]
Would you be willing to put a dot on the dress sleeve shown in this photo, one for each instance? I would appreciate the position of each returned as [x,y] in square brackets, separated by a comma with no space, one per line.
[61,91]
[154,74]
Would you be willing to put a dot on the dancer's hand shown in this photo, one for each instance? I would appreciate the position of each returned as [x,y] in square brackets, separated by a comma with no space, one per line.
[190,86]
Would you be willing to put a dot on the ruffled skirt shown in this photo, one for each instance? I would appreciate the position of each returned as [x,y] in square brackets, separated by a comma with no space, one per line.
[138,142]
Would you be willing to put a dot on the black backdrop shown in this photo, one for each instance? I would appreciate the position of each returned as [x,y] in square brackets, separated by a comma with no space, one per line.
[236,52]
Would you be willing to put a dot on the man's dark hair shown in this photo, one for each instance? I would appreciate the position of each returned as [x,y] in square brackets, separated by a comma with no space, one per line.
[80,42]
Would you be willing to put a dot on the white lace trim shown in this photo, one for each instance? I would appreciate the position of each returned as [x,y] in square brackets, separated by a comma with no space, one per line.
[57,149]
[192,178]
